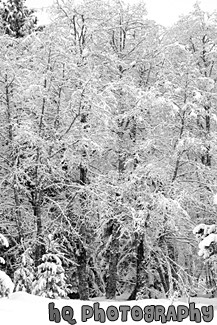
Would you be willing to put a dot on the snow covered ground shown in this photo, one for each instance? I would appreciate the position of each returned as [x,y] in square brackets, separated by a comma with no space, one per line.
[25,309]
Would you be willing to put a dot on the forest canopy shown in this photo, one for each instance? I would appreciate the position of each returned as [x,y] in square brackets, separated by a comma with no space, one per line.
[108,149]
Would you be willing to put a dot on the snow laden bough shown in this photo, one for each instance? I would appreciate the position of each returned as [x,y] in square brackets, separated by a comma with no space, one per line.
[6,285]
[24,275]
[50,282]
[207,237]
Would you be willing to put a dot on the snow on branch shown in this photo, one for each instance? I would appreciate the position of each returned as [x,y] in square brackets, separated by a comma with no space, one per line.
[210,229]
[4,241]
[207,235]
[215,199]
[6,285]
[201,231]
[207,241]
[2,261]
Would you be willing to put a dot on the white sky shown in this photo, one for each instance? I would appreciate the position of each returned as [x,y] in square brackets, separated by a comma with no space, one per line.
[165,12]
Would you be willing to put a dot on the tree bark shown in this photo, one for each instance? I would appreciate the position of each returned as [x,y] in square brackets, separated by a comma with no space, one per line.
[40,247]
[81,254]
[141,271]
[111,283]
[82,271]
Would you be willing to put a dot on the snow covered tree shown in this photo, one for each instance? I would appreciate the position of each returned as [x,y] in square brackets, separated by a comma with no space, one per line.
[17,19]
[3,243]
[207,237]
[50,279]
[108,141]
[187,87]
[6,285]
[24,275]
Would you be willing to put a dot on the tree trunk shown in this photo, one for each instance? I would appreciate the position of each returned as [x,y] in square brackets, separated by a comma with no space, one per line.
[206,156]
[83,287]
[82,271]
[18,214]
[98,279]
[141,272]
[8,96]
[139,260]
[111,283]
[40,247]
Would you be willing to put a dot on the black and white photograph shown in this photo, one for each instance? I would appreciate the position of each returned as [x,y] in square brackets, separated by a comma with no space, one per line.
[108,162]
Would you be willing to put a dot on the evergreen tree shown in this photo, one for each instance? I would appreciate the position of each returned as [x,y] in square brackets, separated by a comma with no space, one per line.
[206,235]
[17,19]
[24,275]
[6,285]
[51,278]
[3,243]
